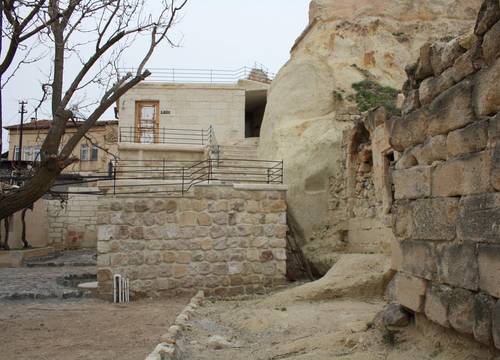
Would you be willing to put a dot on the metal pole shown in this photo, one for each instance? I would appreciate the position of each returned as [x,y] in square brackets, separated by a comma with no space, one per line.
[268,175]
[22,111]
[163,169]
[182,189]
[114,180]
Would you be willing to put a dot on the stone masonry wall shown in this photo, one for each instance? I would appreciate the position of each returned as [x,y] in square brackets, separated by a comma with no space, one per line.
[225,240]
[447,183]
[72,224]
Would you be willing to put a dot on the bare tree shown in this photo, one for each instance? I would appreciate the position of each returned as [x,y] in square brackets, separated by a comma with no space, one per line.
[73,28]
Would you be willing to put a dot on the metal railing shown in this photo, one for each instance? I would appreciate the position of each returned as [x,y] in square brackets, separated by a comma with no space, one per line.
[169,136]
[178,177]
[206,76]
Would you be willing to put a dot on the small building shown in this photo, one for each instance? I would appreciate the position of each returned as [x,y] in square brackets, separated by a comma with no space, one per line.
[93,155]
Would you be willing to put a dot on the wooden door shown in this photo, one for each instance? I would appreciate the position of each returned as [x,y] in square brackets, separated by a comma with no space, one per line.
[147,117]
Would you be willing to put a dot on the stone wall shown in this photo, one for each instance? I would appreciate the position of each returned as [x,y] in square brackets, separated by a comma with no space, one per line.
[447,183]
[223,239]
[72,224]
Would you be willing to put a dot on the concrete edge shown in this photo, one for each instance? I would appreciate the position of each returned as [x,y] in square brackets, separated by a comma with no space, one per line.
[162,147]
[261,187]
[168,348]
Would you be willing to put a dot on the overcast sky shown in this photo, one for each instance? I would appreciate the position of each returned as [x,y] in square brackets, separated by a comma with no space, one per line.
[217,34]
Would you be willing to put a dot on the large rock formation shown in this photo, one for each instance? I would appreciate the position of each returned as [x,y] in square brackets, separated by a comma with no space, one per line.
[311,100]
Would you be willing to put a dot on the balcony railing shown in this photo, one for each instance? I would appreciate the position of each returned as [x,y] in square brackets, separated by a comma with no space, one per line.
[206,76]
[167,136]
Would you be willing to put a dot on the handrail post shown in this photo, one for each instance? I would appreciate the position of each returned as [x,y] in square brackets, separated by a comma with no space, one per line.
[114,180]
[163,169]
[202,137]
[281,172]
[209,169]
[268,175]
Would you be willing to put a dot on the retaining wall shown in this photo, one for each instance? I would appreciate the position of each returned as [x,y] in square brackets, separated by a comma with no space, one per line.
[225,240]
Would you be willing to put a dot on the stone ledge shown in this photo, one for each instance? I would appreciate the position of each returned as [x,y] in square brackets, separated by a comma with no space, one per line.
[161,147]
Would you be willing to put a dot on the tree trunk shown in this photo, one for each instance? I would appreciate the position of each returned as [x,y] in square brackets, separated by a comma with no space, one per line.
[26,244]
[33,189]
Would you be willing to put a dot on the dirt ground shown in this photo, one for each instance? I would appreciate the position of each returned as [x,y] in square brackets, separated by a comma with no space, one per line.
[84,329]
[317,330]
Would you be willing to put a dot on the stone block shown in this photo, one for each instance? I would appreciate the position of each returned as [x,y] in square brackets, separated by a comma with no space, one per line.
[479,218]
[412,183]
[431,87]
[495,167]
[410,291]
[187,218]
[491,44]
[424,66]
[496,324]
[472,138]
[437,301]
[465,64]
[486,95]
[489,269]
[396,255]
[171,206]
[409,130]
[461,311]
[434,149]
[489,14]
[411,102]
[434,219]
[464,176]
[419,258]
[451,110]
[457,265]
[443,55]
[204,219]
[483,312]
[401,219]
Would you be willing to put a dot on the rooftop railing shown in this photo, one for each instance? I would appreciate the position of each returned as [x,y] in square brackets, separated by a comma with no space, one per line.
[206,76]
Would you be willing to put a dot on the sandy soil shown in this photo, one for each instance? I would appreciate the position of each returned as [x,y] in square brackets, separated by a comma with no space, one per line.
[317,330]
[84,329]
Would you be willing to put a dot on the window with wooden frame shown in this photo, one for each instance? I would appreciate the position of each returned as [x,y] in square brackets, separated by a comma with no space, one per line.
[147,117]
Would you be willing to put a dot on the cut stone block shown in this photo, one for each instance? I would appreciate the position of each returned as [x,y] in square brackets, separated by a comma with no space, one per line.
[464,176]
[489,269]
[419,258]
[479,218]
[457,265]
[410,291]
[412,183]
[437,301]
[461,311]
[472,138]
[483,312]
[434,219]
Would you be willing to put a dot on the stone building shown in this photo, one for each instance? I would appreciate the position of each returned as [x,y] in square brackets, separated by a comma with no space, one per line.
[92,159]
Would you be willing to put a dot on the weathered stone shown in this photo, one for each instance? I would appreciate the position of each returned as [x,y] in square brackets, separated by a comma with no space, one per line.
[411,102]
[141,206]
[461,311]
[495,167]
[401,219]
[489,269]
[434,149]
[412,183]
[437,302]
[466,64]
[410,291]
[409,130]
[470,139]
[419,258]
[479,218]
[486,95]
[434,219]
[220,218]
[496,324]
[457,265]
[464,176]
[424,66]
[187,219]
[489,14]
[171,206]
[443,55]
[396,315]
[407,160]
[491,44]
[451,110]
[217,232]
[483,312]
[204,219]
[431,87]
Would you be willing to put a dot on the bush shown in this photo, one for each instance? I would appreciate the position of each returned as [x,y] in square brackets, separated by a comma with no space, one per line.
[370,95]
